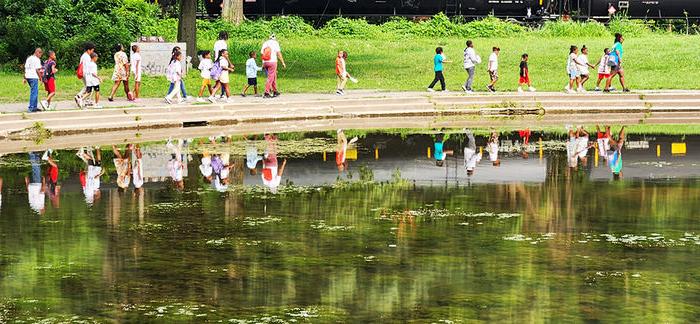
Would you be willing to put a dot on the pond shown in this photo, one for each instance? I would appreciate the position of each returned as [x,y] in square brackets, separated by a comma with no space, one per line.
[308,227]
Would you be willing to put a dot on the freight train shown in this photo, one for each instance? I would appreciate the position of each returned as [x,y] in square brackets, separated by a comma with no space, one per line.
[526,9]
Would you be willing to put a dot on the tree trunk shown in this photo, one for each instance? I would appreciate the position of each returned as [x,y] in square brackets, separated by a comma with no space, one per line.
[232,11]
[187,27]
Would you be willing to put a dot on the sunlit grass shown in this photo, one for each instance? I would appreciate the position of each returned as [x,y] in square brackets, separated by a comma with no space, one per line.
[651,62]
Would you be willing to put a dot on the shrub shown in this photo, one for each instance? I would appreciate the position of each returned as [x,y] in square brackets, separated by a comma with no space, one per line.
[437,26]
[561,28]
[490,27]
[399,26]
[291,26]
[629,27]
[349,28]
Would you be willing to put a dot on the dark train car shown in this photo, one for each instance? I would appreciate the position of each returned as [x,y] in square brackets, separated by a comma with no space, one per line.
[470,8]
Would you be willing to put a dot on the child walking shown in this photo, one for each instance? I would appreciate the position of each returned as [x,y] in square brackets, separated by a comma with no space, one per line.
[603,68]
[92,82]
[438,60]
[524,74]
[493,69]
[49,79]
[205,66]
[174,75]
[572,69]
[136,69]
[251,72]
[226,67]
[583,67]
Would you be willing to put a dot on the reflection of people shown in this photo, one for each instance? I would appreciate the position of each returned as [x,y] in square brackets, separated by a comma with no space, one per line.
[615,156]
[251,157]
[603,139]
[123,166]
[577,147]
[342,149]
[471,157]
[137,169]
[0,191]
[205,166]
[90,178]
[36,184]
[271,172]
[525,138]
[492,148]
[175,165]
[53,187]
[440,153]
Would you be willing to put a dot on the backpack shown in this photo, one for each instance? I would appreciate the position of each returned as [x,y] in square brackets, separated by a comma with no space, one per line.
[266,54]
[47,71]
[216,70]
[79,72]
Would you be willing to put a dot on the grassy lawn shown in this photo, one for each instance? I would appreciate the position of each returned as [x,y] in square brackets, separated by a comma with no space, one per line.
[651,62]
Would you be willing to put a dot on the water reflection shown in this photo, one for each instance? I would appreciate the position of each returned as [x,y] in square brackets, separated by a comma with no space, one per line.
[393,237]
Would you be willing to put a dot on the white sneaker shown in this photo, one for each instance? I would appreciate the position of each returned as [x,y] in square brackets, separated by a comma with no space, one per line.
[44,105]
[228,100]
[97,106]
[211,99]
[567,88]
[168,101]
[597,89]
[45,157]
[338,92]
[464,88]
[182,100]
[532,89]
[570,91]
[200,99]
[431,90]
[520,90]
[469,91]
[581,89]
[221,97]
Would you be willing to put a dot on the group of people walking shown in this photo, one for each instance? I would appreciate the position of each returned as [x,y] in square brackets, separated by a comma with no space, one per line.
[577,68]
[215,69]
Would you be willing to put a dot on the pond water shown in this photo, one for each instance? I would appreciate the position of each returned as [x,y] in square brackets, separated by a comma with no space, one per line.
[384,236]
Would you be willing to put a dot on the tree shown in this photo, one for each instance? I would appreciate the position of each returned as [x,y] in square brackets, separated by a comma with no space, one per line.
[232,11]
[187,26]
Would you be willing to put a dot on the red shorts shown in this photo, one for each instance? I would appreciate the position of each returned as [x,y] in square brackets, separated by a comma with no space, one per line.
[524,80]
[602,76]
[50,85]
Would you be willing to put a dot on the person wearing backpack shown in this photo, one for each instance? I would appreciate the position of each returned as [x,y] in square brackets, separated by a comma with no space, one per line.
[84,60]
[49,79]
[221,68]
[271,53]
[471,59]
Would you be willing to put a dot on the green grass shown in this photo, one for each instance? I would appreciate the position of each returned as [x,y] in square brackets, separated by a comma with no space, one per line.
[651,62]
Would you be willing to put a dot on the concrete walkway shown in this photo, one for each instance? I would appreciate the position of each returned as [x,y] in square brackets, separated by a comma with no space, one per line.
[153,119]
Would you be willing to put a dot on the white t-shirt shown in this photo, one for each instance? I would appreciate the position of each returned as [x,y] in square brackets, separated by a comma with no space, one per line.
[571,63]
[470,58]
[205,166]
[137,173]
[493,61]
[175,71]
[36,197]
[471,158]
[205,66]
[274,49]
[85,59]
[32,64]
[275,181]
[136,60]
[582,146]
[175,168]
[89,72]
[218,46]
[251,68]
[492,148]
[603,67]
[583,59]
[571,153]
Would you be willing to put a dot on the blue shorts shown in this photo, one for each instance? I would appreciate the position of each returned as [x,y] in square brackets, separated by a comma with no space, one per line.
[573,74]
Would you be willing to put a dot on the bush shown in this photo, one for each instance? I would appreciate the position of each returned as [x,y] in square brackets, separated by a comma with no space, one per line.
[561,28]
[490,27]
[437,26]
[349,28]
[629,27]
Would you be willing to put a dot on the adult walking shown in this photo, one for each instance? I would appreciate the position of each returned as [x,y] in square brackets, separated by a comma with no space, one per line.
[84,60]
[471,59]
[32,71]
[121,72]
[271,53]
[615,63]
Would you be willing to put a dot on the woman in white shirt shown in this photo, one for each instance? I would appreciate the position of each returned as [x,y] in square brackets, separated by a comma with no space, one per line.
[221,44]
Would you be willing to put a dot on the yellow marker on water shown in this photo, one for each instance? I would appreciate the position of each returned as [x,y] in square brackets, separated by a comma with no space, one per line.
[376,154]
[658,150]
[595,160]
[541,149]
[324,156]
[678,148]
[428,151]
[481,150]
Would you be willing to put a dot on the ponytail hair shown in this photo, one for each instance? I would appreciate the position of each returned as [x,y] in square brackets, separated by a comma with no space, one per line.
[174,57]
[572,49]
[618,37]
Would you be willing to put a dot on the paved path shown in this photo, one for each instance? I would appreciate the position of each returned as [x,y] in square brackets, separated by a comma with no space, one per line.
[154,120]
